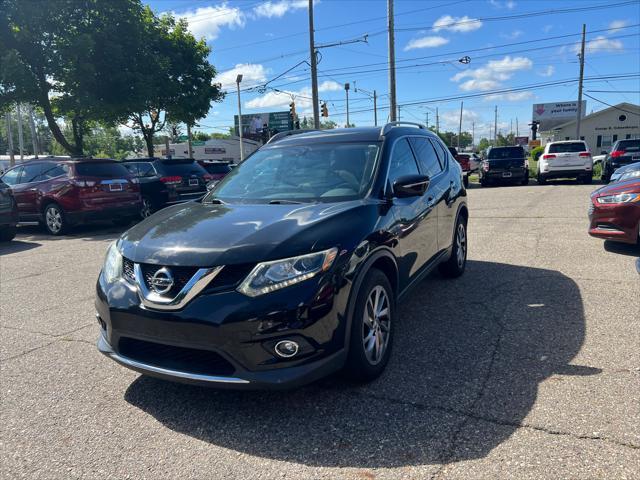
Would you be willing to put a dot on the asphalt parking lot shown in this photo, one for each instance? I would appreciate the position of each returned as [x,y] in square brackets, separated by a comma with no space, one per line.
[526,367]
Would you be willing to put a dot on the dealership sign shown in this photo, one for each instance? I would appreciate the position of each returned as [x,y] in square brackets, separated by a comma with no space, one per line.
[254,123]
[550,115]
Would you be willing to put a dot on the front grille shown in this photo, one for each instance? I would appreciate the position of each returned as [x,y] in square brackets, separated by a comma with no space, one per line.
[191,360]
[591,208]
[127,271]
[229,277]
[181,276]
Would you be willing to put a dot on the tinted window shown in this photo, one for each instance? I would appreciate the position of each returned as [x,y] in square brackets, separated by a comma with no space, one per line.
[443,153]
[52,171]
[146,169]
[567,147]
[217,168]
[132,167]
[30,173]
[102,170]
[402,161]
[426,156]
[629,145]
[182,168]
[313,172]
[506,152]
[12,176]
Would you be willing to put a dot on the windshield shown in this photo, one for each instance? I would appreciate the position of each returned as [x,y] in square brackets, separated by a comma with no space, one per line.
[629,145]
[301,173]
[184,168]
[506,152]
[102,170]
[573,147]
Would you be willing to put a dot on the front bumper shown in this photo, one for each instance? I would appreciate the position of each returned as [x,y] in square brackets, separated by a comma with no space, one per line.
[565,172]
[129,210]
[617,222]
[505,174]
[238,332]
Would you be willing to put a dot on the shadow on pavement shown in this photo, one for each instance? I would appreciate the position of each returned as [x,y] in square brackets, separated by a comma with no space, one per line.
[16,246]
[467,350]
[94,231]
[622,248]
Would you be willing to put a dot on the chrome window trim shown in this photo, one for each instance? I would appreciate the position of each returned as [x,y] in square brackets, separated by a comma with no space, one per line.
[193,287]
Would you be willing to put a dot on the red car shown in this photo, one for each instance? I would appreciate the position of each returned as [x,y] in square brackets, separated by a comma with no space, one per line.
[614,212]
[465,164]
[62,192]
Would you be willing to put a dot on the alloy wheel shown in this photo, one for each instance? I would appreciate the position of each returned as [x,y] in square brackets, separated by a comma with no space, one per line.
[376,325]
[461,245]
[53,217]
[145,211]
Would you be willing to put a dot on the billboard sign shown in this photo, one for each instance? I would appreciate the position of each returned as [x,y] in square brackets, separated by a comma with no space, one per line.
[522,141]
[254,123]
[550,115]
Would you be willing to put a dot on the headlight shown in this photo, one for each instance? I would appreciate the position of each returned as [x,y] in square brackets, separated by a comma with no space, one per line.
[629,175]
[112,269]
[269,276]
[619,198]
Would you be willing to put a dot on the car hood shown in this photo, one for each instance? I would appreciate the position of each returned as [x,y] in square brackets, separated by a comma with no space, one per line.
[196,234]
[626,186]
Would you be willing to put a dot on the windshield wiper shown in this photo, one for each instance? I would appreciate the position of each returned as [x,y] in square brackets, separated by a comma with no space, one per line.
[284,202]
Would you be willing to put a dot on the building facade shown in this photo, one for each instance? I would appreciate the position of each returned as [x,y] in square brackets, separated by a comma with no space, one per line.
[601,129]
[216,149]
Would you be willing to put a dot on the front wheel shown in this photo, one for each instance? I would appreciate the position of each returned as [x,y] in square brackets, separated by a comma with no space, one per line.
[147,208]
[54,219]
[525,179]
[7,233]
[541,179]
[587,179]
[371,328]
[454,267]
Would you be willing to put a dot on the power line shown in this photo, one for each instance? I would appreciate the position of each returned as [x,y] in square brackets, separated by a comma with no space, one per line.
[609,105]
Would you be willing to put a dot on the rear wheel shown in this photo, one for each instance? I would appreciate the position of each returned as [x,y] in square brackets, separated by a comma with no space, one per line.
[465,181]
[587,179]
[7,233]
[541,179]
[371,328]
[525,180]
[147,207]
[54,219]
[454,267]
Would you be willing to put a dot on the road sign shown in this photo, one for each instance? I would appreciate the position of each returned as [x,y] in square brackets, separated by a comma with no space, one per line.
[551,115]
[197,143]
[534,143]
[183,138]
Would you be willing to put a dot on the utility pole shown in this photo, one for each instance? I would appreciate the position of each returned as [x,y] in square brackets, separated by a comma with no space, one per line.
[511,126]
[238,80]
[473,134]
[427,120]
[314,71]
[398,112]
[190,145]
[495,127]
[12,158]
[460,125]
[375,108]
[20,135]
[392,62]
[346,90]
[579,120]
[517,128]
[166,146]
[437,121]
[34,136]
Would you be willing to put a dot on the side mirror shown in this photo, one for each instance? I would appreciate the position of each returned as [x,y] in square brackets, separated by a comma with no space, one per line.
[410,186]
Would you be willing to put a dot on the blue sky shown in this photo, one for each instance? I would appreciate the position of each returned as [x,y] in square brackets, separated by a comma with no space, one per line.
[508,46]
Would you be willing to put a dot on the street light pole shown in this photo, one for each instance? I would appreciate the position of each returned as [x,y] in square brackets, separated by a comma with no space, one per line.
[346,89]
[238,80]
[20,135]
[314,70]
[579,119]
[12,158]
[392,62]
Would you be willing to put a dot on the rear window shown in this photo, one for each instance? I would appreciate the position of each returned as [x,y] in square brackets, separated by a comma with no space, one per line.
[217,168]
[568,147]
[101,169]
[506,152]
[182,168]
[629,145]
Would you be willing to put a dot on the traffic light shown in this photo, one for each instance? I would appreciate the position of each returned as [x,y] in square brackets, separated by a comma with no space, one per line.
[325,110]
[292,110]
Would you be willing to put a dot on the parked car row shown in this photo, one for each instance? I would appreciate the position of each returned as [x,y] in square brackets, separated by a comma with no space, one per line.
[60,192]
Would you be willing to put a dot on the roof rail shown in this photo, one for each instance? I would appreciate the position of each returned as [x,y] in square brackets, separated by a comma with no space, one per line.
[390,125]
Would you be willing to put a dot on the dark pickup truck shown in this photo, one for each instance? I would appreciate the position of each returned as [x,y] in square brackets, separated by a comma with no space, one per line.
[504,164]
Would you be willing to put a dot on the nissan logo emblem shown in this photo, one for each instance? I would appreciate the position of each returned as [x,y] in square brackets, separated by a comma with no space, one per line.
[162,281]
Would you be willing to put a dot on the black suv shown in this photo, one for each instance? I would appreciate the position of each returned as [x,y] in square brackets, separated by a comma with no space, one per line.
[622,153]
[165,182]
[292,267]
[504,164]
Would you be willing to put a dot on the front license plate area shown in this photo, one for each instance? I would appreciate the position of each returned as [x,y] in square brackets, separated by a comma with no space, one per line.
[193,182]
[115,187]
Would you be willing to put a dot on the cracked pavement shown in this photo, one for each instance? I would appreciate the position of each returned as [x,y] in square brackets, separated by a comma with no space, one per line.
[526,367]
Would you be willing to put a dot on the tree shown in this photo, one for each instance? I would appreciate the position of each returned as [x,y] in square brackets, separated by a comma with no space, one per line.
[483,144]
[176,84]
[74,60]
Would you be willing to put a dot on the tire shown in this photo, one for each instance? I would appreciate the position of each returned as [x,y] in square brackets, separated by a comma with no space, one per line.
[147,208]
[465,181]
[525,180]
[55,221]
[587,180]
[8,233]
[605,178]
[457,262]
[541,179]
[369,344]
[484,182]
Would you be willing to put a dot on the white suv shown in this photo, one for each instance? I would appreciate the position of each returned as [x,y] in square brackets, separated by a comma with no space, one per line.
[566,159]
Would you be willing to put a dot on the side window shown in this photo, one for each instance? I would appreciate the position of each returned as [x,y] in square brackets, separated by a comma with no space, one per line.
[30,173]
[146,170]
[52,171]
[132,168]
[443,153]
[12,177]
[426,156]
[402,161]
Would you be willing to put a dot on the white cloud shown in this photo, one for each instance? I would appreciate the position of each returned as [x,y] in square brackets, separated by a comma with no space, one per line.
[282,99]
[449,119]
[207,21]
[492,74]
[600,44]
[513,35]
[252,74]
[426,42]
[618,25]
[509,4]
[547,72]
[547,28]
[456,24]
[277,9]
[510,97]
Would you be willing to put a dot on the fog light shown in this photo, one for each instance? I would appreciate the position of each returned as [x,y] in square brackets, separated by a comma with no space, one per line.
[286,348]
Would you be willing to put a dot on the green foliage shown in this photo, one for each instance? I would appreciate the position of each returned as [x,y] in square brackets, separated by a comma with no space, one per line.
[451,138]
[483,144]
[536,152]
